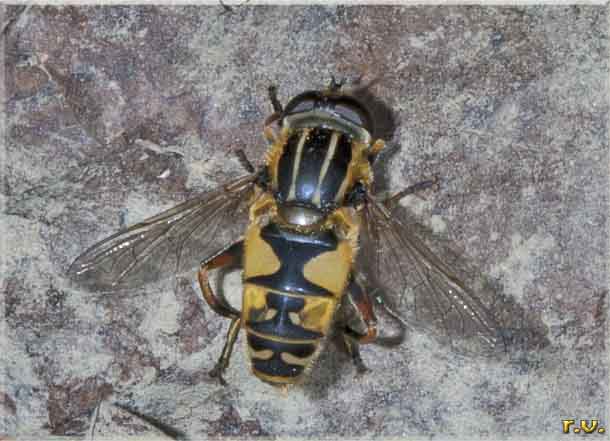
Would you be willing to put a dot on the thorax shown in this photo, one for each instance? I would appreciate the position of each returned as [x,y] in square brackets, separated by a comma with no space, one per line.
[313,168]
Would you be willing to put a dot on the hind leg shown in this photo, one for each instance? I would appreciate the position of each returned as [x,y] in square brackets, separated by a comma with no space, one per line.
[353,349]
[223,362]
[353,339]
[230,256]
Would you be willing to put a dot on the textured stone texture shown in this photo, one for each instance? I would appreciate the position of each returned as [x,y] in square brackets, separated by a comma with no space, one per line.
[115,113]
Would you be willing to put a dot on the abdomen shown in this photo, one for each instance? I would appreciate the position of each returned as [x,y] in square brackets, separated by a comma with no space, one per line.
[292,285]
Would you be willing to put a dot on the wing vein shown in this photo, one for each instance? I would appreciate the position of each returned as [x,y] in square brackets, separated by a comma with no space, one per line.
[426,287]
[171,242]
[163,236]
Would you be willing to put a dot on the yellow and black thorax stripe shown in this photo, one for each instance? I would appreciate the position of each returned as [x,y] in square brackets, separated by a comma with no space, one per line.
[316,167]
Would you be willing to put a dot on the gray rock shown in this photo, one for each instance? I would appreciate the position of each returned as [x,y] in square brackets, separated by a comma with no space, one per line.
[114,113]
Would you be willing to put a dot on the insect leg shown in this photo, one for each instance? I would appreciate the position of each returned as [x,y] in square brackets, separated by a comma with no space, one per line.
[223,362]
[275,102]
[353,348]
[353,339]
[335,86]
[228,257]
[244,161]
[276,116]
[227,8]
[415,188]
[270,135]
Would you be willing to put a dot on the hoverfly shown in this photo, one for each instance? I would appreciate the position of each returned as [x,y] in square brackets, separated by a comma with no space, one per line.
[315,237]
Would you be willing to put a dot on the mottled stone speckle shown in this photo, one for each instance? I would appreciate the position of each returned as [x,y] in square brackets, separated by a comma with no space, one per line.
[113,113]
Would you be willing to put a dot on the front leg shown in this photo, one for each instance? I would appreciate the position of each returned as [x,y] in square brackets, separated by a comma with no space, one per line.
[276,116]
[230,256]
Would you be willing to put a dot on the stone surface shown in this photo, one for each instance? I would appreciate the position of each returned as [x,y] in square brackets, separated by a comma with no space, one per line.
[115,113]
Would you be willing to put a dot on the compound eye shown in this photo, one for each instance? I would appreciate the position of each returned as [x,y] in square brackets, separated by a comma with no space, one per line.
[351,114]
[303,106]
[303,103]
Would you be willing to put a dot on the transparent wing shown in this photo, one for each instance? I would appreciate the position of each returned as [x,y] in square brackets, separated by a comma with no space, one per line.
[171,242]
[423,291]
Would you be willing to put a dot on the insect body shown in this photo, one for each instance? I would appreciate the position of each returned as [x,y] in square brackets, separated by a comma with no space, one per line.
[316,239]
[297,267]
